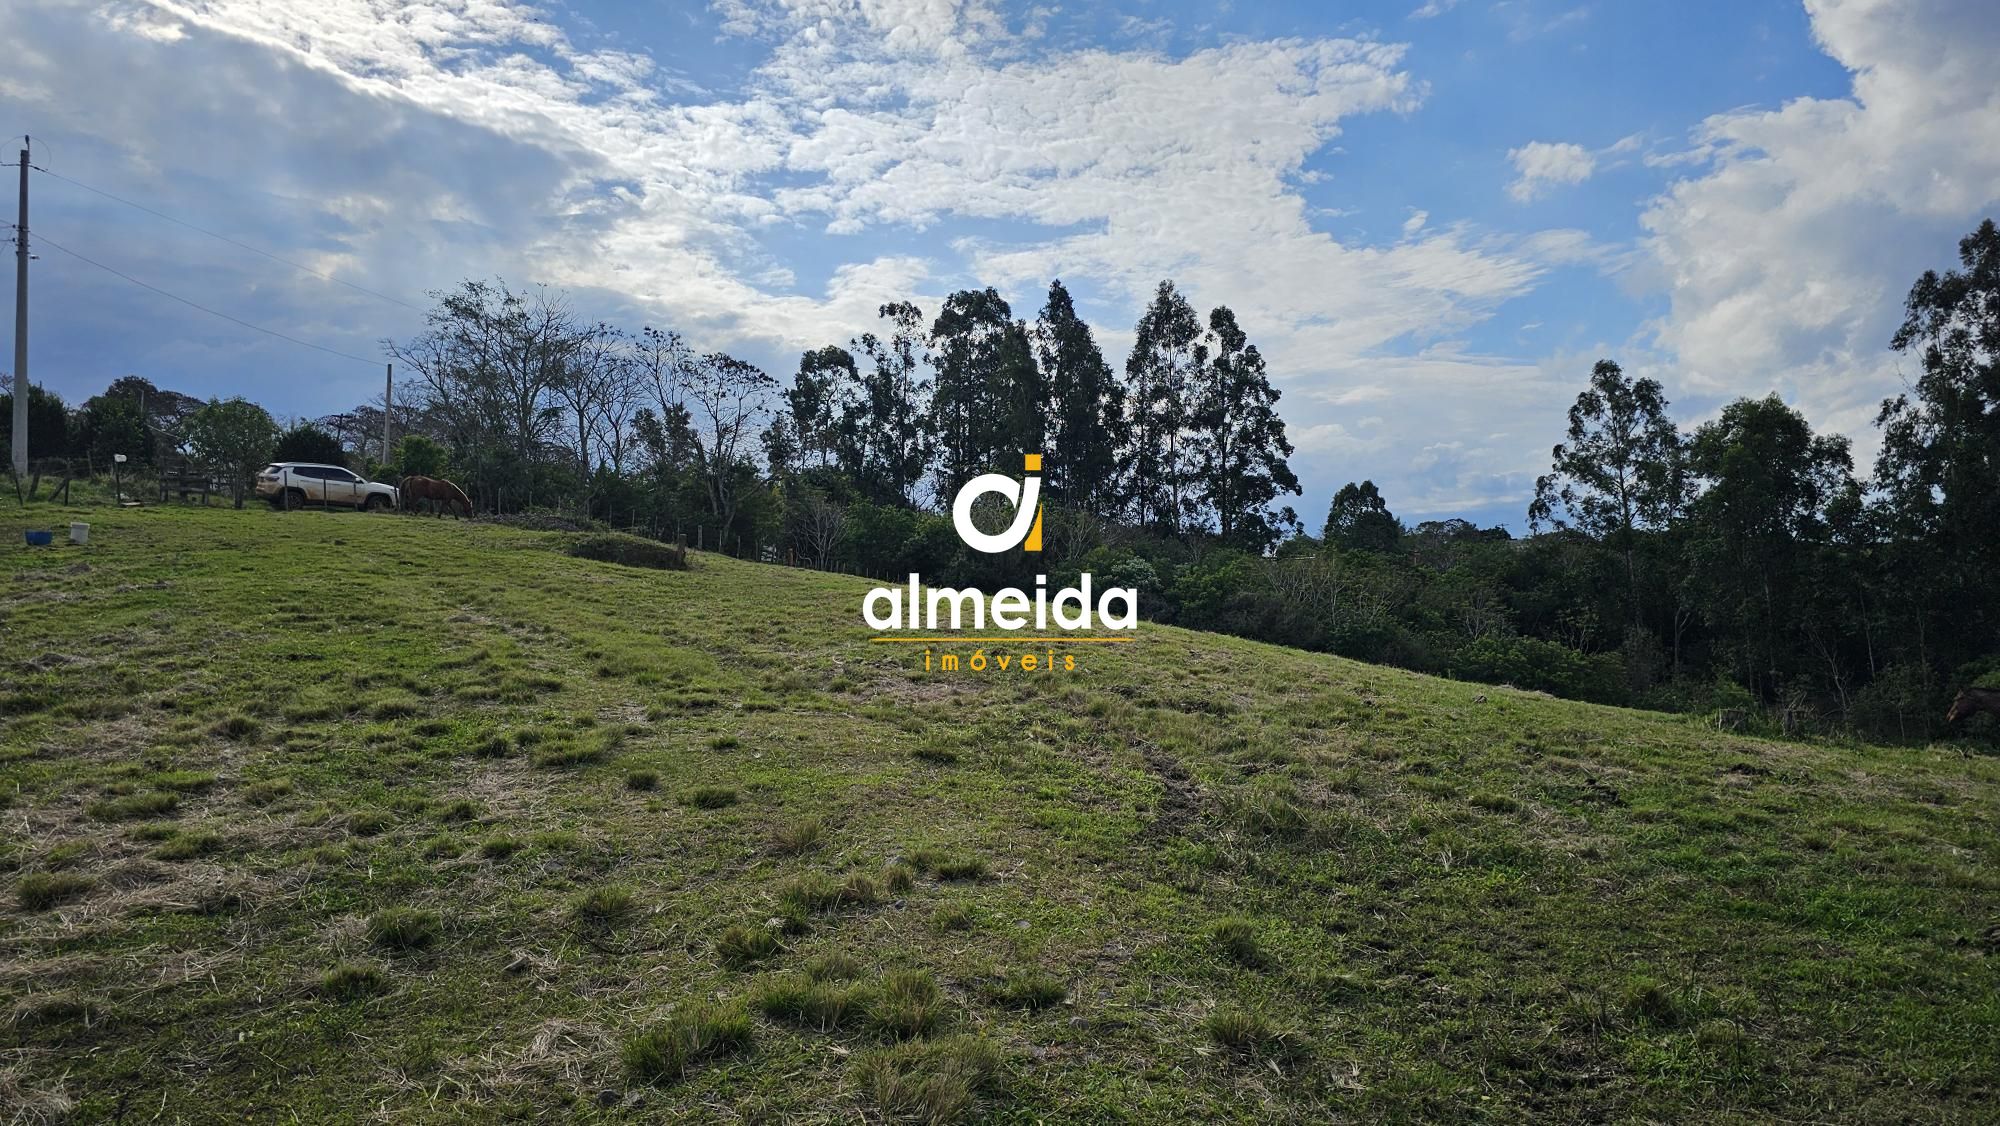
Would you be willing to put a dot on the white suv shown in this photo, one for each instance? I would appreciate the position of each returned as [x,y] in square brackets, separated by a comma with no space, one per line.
[295,484]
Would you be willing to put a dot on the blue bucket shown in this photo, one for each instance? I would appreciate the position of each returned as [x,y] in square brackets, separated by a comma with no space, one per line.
[40,539]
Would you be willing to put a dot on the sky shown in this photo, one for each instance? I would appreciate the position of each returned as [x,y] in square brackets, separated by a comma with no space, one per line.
[1432,216]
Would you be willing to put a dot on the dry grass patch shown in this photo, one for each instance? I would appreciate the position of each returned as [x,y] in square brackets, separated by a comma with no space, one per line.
[801,836]
[935,1081]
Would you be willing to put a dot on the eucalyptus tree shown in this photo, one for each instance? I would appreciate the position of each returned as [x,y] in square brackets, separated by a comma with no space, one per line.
[1359,519]
[1086,406]
[1756,531]
[1938,472]
[1618,472]
[893,406]
[1167,352]
[1237,441]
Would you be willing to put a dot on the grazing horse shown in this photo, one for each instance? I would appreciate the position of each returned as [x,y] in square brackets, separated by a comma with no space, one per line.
[432,489]
[1971,700]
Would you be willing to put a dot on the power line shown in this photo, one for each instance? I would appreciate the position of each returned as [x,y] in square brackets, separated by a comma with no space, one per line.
[225,238]
[47,241]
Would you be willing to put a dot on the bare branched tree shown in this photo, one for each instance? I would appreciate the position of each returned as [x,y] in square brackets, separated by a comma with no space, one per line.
[622,397]
[597,356]
[726,397]
[489,365]
[818,525]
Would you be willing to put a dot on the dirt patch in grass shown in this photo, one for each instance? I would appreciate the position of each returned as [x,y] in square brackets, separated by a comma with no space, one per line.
[1181,799]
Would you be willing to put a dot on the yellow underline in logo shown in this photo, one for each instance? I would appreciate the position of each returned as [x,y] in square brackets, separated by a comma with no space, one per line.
[993,640]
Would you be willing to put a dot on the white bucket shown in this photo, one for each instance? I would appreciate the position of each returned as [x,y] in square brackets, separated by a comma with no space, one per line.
[79,533]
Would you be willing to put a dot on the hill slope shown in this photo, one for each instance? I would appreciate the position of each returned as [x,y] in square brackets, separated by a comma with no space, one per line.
[305,810]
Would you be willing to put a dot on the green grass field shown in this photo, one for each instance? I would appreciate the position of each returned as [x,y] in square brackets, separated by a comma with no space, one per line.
[332,817]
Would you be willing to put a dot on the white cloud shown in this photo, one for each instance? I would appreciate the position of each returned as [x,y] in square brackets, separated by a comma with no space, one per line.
[1540,165]
[1785,260]
[514,149]
[1349,396]
[903,113]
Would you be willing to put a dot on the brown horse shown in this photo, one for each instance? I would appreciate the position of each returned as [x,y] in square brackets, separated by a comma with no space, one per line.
[432,489]
[1972,700]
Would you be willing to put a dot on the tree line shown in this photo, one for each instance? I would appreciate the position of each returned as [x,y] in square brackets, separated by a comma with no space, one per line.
[1741,568]
[539,407]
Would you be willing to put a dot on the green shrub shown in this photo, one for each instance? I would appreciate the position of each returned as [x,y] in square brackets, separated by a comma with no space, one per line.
[186,781]
[464,809]
[501,847]
[1025,989]
[555,755]
[834,967]
[188,846]
[353,981]
[134,807]
[236,728]
[444,846]
[1244,1029]
[266,792]
[394,709]
[932,1081]
[711,797]
[1546,666]
[629,551]
[664,1053]
[1901,703]
[813,893]
[604,906]
[911,1005]
[404,928]
[1237,939]
[860,891]
[795,837]
[815,1004]
[39,891]
[962,868]
[740,946]
[952,917]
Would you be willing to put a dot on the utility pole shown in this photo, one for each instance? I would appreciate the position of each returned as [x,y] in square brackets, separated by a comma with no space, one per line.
[21,328]
[388,399]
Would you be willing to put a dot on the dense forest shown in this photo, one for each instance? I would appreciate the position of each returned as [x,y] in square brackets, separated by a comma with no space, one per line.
[1745,568]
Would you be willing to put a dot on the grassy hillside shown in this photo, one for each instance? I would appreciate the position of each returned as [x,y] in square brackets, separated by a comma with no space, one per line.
[352,817]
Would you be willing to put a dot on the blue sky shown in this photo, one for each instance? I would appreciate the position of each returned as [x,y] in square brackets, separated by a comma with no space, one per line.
[1432,216]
